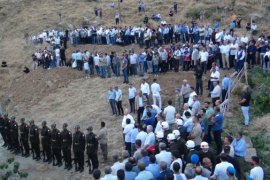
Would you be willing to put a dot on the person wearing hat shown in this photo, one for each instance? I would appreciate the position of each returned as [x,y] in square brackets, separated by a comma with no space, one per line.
[231,173]
[179,126]
[191,166]
[206,151]
[159,139]
[66,143]
[46,142]
[91,149]
[166,130]
[14,134]
[34,140]
[173,146]
[78,149]
[180,143]
[24,135]
[56,146]
[190,150]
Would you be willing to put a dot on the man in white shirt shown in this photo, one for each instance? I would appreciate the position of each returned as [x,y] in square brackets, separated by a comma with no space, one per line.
[256,173]
[169,113]
[127,116]
[216,93]
[118,100]
[150,138]
[225,49]
[164,155]
[127,134]
[133,63]
[145,89]
[141,135]
[117,165]
[190,99]
[204,59]
[155,88]
[214,77]
[131,97]
[232,53]
[221,169]
[108,175]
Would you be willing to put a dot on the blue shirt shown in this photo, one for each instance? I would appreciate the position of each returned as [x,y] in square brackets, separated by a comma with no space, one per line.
[129,175]
[133,134]
[240,147]
[144,175]
[232,25]
[145,160]
[110,95]
[153,113]
[225,83]
[149,121]
[154,169]
[141,58]
[218,122]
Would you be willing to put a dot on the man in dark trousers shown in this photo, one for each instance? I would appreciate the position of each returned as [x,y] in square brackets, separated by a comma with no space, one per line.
[66,137]
[46,142]
[91,149]
[78,148]
[56,146]
[2,130]
[7,131]
[34,140]
[24,131]
[14,134]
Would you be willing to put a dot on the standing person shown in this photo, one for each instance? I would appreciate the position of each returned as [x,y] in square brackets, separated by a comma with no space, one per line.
[34,140]
[256,172]
[125,69]
[155,88]
[2,130]
[97,64]
[169,113]
[140,102]
[196,132]
[251,54]
[108,65]
[225,87]
[103,140]
[240,147]
[225,49]
[127,133]
[66,137]
[131,97]
[185,91]
[116,64]
[91,149]
[24,134]
[46,142]
[216,93]
[204,59]
[14,134]
[117,18]
[208,115]
[7,130]
[199,82]
[145,89]
[118,100]
[78,149]
[217,127]
[240,59]
[244,103]
[102,66]
[111,99]
[56,146]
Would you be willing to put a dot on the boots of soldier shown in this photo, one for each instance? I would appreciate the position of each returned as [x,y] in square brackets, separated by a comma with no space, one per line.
[66,166]
[81,169]
[59,163]
[76,168]
[27,154]
[69,167]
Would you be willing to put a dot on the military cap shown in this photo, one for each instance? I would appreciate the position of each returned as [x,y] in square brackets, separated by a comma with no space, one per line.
[89,128]
[13,118]
[44,123]
[65,125]
[53,125]
[77,126]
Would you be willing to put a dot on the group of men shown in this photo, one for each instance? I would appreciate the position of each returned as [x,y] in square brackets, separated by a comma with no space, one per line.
[54,145]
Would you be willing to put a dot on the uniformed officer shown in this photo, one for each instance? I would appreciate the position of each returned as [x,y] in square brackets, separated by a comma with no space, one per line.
[66,137]
[2,129]
[34,140]
[91,149]
[24,132]
[46,142]
[56,146]
[78,148]
[14,135]
[7,131]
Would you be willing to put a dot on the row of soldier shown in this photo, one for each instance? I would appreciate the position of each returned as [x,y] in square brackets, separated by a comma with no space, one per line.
[54,143]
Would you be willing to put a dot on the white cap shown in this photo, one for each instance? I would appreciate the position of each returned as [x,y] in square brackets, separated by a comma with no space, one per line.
[160,134]
[204,145]
[171,136]
[165,125]
[176,133]
[179,122]
[190,144]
